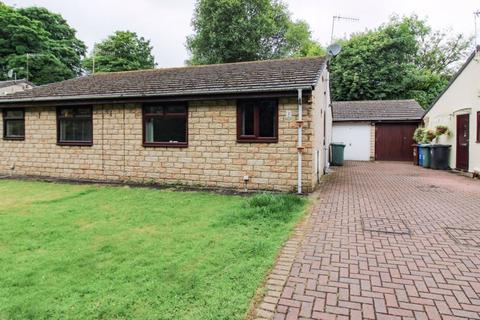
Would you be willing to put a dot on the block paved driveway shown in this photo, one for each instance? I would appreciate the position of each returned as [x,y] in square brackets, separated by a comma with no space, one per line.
[384,241]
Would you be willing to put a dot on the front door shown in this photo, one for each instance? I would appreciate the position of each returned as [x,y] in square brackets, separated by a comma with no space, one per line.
[463,138]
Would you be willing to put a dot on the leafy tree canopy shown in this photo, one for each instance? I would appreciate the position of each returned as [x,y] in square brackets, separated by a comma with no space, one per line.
[403,59]
[122,51]
[247,30]
[54,51]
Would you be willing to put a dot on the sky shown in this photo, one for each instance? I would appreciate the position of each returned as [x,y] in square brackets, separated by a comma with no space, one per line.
[167,23]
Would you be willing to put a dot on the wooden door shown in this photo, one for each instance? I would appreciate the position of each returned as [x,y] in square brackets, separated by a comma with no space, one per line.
[463,139]
[393,141]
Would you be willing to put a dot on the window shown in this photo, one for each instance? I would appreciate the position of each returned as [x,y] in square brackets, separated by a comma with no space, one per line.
[74,126]
[165,125]
[478,126]
[14,124]
[257,121]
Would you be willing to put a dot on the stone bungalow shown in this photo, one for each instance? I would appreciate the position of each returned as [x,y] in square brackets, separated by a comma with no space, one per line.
[256,125]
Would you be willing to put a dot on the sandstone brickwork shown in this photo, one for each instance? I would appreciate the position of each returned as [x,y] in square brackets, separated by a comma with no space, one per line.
[213,157]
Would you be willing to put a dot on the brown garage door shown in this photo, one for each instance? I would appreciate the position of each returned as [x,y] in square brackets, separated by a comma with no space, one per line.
[393,141]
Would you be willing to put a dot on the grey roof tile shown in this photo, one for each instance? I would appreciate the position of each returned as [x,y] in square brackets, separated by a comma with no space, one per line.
[259,76]
[377,110]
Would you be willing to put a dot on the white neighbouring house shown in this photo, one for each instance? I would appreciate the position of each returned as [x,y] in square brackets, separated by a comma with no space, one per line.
[458,108]
[376,129]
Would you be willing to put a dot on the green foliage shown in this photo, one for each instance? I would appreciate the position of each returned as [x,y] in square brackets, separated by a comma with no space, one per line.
[419,134]
[90,252]
[299,41]
[55,51]
[273,208]
[247,30]
[403,59]
[441,130]
[428,136]
[425,135]
[122,51]
[266,209]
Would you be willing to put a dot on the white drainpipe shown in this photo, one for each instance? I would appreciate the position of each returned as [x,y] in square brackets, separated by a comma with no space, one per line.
[299,144]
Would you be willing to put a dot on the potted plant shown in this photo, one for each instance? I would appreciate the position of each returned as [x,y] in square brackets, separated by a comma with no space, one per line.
[440,153]
[441,130]
[417,137]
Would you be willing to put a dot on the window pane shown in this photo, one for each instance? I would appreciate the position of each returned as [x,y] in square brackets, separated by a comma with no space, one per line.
[14,128]
[248,115]
[267,113]
[154,109]
[165,130]
[83,130]
[149,130]
[66,130]
[14,114]
[76,130]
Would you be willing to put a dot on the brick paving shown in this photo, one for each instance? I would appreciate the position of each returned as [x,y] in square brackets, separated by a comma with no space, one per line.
[383,241]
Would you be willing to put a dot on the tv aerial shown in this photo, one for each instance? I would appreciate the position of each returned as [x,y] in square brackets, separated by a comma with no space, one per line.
[340,18]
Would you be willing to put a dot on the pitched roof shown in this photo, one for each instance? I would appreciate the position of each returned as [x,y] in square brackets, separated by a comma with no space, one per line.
[8,83]
[243,77]
[377,110]
[454,78]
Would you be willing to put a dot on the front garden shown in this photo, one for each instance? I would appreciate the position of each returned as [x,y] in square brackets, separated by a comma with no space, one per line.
[85,251]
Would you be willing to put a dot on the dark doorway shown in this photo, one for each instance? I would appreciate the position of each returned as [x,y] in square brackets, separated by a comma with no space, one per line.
[393,141]
[463,138]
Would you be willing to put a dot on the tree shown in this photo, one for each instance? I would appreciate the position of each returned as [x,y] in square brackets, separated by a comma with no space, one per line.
[403,59]
[122,51]
[299,41]
[54,53]
[246,30]
[62,41]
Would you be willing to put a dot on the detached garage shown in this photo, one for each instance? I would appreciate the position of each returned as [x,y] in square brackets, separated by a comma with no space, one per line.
[376,130]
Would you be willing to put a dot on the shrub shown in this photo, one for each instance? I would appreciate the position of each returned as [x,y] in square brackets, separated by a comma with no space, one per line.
[440,130]
[428,136]
[418,135]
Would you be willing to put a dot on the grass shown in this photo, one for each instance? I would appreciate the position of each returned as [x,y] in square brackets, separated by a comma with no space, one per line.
[96,252]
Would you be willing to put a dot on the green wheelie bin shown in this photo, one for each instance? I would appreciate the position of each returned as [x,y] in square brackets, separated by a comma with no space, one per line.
[338,150]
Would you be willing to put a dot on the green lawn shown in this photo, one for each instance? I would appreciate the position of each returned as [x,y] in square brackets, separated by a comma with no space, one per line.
[96,252]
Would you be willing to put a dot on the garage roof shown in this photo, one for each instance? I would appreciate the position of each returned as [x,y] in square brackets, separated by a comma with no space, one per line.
[377,110]
[244,77]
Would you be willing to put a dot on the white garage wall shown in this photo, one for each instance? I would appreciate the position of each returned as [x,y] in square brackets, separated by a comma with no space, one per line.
[356,137]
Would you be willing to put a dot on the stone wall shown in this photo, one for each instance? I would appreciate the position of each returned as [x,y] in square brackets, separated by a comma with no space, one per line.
[213,158]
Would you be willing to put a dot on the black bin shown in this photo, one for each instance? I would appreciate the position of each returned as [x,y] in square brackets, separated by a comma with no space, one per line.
[440,156]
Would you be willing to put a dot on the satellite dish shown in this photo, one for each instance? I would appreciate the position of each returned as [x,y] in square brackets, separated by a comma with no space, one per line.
[334,49]
[10,73]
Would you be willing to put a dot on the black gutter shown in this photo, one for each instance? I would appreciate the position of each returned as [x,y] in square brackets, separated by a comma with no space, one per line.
[132,100]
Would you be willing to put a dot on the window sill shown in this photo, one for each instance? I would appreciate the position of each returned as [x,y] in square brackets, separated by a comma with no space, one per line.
[14,138]
[165,145]
[75,143]
[257,140]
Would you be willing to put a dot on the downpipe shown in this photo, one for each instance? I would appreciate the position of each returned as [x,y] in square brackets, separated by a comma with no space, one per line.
[299,143]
